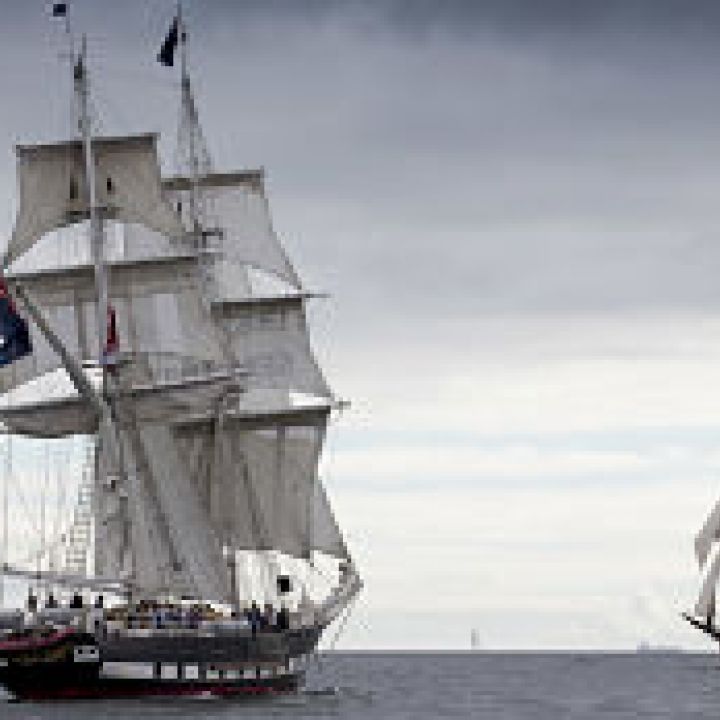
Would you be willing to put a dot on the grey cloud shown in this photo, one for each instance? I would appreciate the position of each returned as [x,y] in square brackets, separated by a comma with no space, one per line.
[442,175]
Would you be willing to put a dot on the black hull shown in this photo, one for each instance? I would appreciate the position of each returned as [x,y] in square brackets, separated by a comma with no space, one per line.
[58,688]
[59,668]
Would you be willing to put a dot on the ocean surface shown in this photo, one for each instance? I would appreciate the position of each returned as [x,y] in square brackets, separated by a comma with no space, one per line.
[386,686]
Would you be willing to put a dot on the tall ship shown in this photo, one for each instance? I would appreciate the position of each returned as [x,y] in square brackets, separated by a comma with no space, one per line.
[703,616]
[158,325]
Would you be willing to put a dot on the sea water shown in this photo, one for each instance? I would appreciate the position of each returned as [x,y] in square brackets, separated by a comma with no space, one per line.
[419,686]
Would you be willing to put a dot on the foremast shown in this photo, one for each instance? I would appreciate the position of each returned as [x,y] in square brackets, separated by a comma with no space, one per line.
[266,432]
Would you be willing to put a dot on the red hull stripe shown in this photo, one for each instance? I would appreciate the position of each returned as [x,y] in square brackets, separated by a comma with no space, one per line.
[119,692]
[35,643]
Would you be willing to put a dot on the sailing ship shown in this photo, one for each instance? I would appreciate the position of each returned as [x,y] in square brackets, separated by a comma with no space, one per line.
[160,319]
[707,551]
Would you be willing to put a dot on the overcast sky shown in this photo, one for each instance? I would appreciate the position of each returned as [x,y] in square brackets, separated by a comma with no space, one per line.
[515,208]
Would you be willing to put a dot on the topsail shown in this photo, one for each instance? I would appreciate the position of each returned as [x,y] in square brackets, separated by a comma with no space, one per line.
[52,186]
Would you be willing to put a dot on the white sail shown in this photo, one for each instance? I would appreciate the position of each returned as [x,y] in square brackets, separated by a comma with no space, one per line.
[270,340]
[130,541]
[325,534]
[259,484]
[161,318]
[705,606]
[69,247]
[277,472]
[709,533]
[236,220]
[52,186]
[50,406]
[197,547]
[150,522]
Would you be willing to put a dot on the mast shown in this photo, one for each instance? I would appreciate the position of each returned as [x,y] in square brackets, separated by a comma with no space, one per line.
[189,115]
[97,239]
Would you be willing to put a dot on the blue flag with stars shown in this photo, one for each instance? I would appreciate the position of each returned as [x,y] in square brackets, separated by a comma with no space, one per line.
[14,333]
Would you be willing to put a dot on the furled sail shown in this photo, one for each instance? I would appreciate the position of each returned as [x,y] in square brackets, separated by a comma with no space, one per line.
[236,221]
[52,187]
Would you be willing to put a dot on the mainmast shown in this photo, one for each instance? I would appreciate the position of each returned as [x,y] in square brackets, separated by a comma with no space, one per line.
[97,239]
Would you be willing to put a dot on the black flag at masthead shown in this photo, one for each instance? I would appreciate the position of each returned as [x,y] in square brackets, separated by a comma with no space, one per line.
[166,56]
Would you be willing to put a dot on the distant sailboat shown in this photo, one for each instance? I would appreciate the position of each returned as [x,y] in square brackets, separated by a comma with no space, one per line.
[707,552]
[474,639]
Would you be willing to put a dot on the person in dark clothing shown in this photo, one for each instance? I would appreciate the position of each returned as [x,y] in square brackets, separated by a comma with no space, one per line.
[254,617]
[282,619]
[267,619]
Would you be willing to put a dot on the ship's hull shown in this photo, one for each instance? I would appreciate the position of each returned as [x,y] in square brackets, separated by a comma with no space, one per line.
[58,686]
[70,666]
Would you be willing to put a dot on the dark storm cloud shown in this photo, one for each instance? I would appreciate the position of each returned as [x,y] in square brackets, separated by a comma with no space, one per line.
[441,158]
[634,19]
